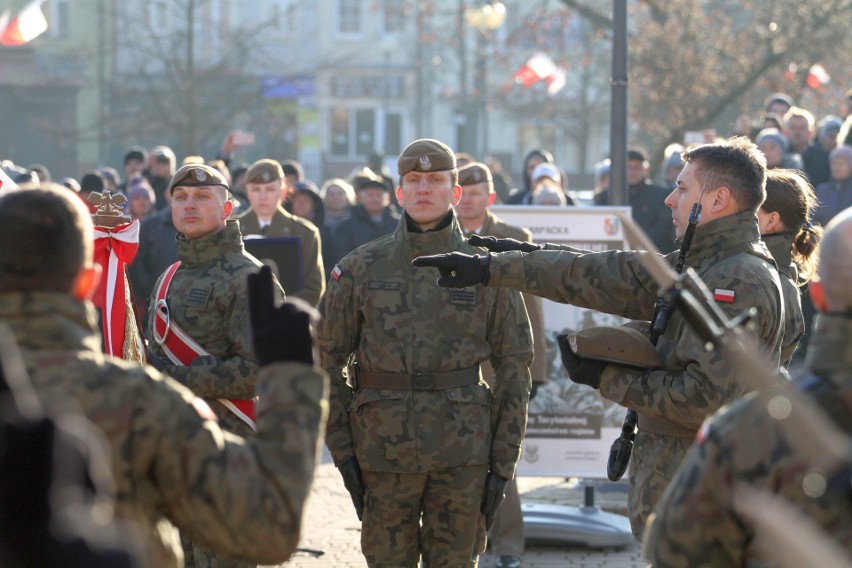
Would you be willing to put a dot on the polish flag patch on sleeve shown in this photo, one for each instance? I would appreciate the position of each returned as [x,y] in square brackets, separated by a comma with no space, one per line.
[336,272]
[722,295]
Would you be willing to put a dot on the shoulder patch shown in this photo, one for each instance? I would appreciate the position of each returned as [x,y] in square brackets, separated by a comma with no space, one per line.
[336,273]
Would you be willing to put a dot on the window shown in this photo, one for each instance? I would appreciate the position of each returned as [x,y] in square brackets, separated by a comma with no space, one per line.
[355,132]
[365,132]
[349,17]
[393,134]
[340,132]
[393,16]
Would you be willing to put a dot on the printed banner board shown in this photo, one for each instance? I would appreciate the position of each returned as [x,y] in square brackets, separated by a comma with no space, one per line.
[571,427]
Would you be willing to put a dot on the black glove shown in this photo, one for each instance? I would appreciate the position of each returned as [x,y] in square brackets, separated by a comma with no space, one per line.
[458,270]
[160,363]
[580,370]
[502,245]
[282,333]
[354,484]
[492,496]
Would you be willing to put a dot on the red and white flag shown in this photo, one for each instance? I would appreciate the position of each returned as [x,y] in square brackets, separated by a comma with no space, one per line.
[6,183]
[818,76]
[723,295]
[26,26]
[540,67]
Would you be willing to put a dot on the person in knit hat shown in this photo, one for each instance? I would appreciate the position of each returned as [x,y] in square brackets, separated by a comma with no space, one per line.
[835,195]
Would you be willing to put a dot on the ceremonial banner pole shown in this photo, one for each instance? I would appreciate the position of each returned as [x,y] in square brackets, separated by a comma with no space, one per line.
[116,243]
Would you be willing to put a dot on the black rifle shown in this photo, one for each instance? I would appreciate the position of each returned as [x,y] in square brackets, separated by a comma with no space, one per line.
[622,447]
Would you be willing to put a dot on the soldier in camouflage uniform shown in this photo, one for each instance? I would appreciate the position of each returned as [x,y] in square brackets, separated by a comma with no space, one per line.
[424,445]
[728,178]
[265,185]
[785,228]
[507,534]
[767,442]
[207,299]
[173,465]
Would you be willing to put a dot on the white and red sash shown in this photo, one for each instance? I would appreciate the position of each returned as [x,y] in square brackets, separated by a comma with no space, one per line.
[182,349]
[114,249]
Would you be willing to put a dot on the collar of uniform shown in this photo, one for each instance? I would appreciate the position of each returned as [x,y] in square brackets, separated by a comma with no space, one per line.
[828,348]
[50,321]
[446,239]
[716,238]
[210,247]
[780,245]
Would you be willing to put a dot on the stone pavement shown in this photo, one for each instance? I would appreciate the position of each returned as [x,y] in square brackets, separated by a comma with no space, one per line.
[331,526]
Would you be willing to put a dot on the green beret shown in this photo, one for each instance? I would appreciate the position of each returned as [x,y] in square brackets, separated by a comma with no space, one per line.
[426,155]
[264,171]
[196,175]
[475,172]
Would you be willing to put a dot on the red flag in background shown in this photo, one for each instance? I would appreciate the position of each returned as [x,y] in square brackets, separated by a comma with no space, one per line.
[540,67]
[25,27]
[818,76]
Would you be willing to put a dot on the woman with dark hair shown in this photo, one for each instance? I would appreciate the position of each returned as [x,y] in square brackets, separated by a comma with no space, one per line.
[521,196]
[784,222]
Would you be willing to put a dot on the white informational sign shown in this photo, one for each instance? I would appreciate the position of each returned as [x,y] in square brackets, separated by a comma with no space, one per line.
[571,427]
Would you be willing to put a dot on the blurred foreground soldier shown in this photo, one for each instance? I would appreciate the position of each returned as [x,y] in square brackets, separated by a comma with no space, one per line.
[727,179]
[265,187]
[425,447]
[173,465]
[769,441]
[55,482]
[507,534]
[198,316]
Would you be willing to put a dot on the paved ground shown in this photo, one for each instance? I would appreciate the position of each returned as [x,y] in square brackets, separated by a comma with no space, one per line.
[331,526]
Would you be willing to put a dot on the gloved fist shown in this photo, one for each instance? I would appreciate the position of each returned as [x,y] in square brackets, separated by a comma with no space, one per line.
[458,270]
[282,333]
[502,245]
[354,484]
[580,369]
[492,496]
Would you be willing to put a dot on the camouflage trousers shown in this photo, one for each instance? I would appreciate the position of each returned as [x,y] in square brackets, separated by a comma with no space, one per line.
[654,461]
[435,514]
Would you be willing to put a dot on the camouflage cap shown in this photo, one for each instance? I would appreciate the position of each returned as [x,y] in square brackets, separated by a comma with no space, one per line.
[264,171]
[475,172]
[426,155]
[196,175]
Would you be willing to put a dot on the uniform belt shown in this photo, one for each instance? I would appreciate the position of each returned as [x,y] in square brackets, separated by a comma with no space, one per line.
[654,425]
[420,381]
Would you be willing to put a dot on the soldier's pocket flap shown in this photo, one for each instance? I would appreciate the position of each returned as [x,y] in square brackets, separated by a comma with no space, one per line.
[469,394]
[366,396]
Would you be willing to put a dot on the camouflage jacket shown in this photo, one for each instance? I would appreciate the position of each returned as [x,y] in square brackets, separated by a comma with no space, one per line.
[781,247]
[699,520]
[173,465]
[285,224]
[693,382]
[494,226]
[395,318]
[208,299]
